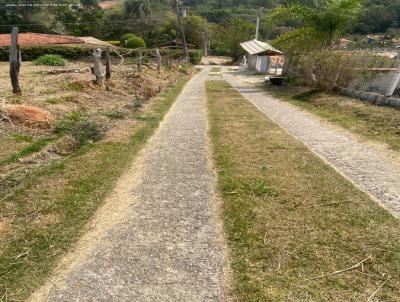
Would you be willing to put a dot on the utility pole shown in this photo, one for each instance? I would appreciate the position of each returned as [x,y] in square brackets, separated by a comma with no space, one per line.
[258,27]
[206,43]
[180,24]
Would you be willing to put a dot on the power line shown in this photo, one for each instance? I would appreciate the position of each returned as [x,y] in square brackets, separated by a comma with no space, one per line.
[81,23]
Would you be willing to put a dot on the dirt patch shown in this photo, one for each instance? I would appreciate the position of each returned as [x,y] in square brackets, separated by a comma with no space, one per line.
[121,131]
[65,146]
[45,220]
[4,226]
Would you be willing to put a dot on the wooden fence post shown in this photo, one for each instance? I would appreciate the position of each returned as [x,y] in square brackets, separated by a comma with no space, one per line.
[139,65]
[97,68]
[205,43]
[159,60]
[108,64]
[15,58]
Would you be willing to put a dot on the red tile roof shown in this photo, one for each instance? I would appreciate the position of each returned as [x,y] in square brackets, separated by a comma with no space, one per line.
[39,39]
[108,4]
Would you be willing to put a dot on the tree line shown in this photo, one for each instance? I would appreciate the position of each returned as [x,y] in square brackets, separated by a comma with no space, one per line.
[225,22]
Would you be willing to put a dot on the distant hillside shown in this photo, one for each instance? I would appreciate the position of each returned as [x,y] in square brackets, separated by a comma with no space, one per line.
[378,16]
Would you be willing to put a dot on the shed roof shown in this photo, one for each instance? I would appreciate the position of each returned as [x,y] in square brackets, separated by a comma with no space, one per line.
[255,47]
[39,39]
[96,42]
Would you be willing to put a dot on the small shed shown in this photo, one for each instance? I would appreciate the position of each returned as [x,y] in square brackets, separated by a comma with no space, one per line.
[258,54]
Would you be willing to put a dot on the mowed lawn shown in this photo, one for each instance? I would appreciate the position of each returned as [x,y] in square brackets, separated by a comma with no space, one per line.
[371,122]
[297,230]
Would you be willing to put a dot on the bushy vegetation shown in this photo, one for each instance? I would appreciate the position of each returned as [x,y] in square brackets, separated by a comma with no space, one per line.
[80,127]
[85,131]
[124,38]
[325,70]
[376,16]
[50,60]
[195,56]
[135,42]
[31,53]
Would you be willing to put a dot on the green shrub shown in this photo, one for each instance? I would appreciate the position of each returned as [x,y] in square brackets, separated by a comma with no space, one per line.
[126,37]
[80,128]
[114,115]
[50,60]
[31,53]
[86,131]
[68,123]
[185,68]
[195,56]
[135,43]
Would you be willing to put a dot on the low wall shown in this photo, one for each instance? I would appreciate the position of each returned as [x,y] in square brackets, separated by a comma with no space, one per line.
[372,98]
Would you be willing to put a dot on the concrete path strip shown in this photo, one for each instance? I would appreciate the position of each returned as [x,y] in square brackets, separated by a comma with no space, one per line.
[166,243]
[366,167]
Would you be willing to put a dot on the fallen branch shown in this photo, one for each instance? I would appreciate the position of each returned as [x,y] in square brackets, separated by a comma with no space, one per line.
[122,60]
[341,271]
[61,71]
[148,66]
[378,289]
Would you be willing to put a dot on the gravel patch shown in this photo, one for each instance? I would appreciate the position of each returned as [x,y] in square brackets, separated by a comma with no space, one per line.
[169,245]
[368,168]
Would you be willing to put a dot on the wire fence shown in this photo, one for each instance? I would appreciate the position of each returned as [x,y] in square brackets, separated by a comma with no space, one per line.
[97,58]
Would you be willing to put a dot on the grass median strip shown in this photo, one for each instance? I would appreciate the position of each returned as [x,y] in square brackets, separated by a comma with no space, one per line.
[297,230]
[42,219]
[378,123]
